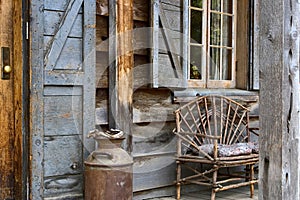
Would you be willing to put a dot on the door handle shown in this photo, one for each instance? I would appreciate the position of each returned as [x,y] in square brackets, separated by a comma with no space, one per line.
[6,68]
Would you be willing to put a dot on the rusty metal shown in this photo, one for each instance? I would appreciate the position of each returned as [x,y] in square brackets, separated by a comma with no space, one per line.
[108,171]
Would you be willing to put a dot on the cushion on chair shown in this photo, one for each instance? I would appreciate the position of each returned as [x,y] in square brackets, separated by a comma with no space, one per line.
[231,150]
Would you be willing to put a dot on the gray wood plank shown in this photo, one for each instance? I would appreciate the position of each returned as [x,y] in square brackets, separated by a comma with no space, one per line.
[62,91]
[113,74]
[89,81]
[64,77]
[256,45]
[279,93]
[169,42]
[63,187]
[155,42]
[36,99]
[62,155]
[71,54]
[52,23]
[153,138]
[61,35]
[57,5]
[153,172]
[63,115]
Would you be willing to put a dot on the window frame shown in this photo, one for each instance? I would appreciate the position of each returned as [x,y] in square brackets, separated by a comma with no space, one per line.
[205,82]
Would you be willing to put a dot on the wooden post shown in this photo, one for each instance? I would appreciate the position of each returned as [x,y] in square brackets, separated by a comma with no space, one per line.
[279,99]
[122,86]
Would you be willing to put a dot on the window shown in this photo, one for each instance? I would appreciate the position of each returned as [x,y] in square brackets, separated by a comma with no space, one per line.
[212,42]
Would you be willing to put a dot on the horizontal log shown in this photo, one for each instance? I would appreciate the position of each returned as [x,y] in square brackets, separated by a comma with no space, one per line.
[153,138]
[148,106]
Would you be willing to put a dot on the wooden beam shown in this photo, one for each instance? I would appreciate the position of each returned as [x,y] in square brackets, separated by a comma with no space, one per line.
[121,73]
[279,99]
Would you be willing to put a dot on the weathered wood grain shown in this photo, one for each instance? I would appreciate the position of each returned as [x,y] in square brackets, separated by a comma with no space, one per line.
[153,172]
[64,187]
[63,99]
[58,41]
[61,155]
[169,78]
[242,54]
[36,99]
[63,115]
[20,105]
[153,138]
[255,41]
[7,108]
[125,63]
[71,54]
[52,24]
[279,99]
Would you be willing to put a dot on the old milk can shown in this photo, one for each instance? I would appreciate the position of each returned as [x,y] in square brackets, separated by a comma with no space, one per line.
[108,169]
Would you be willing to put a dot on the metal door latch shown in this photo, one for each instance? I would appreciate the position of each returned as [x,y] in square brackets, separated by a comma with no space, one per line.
[6,68]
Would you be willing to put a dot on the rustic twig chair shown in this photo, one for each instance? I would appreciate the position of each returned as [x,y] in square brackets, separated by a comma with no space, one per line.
[213,137]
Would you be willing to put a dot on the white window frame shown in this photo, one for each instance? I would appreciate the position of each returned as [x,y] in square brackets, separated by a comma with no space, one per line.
[205,82]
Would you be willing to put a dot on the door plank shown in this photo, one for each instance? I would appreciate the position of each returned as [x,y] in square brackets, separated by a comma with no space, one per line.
[61,36]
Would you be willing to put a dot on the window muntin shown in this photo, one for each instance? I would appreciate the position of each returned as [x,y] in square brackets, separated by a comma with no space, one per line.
[211,34]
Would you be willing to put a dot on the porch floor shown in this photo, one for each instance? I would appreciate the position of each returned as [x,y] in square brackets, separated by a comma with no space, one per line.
[242,193]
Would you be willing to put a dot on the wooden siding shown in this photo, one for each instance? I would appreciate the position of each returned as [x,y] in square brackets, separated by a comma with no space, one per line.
[168,52]
[153,143]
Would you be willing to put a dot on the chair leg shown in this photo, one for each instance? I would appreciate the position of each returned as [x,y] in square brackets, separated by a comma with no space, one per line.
[177,181]
[214,185]
[251,179]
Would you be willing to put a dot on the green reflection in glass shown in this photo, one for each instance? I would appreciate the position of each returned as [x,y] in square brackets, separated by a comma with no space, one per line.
[196,26]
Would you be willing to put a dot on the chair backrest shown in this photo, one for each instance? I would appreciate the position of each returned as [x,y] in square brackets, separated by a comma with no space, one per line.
[212,116]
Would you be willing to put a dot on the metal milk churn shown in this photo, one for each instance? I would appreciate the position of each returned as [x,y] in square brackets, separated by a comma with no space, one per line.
[108,169]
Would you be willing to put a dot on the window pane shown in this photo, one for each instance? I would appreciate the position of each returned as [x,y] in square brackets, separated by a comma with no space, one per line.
[227,6]
[196,62]
[214,71]
[226,64]
[215,5]
[227,31]
[215,29]
[196,26]
[196,3]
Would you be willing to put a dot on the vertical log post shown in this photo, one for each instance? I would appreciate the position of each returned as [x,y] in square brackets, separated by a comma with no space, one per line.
[121,90]
[279,99]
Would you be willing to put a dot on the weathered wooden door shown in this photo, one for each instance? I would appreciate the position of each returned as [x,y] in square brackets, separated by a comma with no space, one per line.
[7,107]
[11,100]
[62,100]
